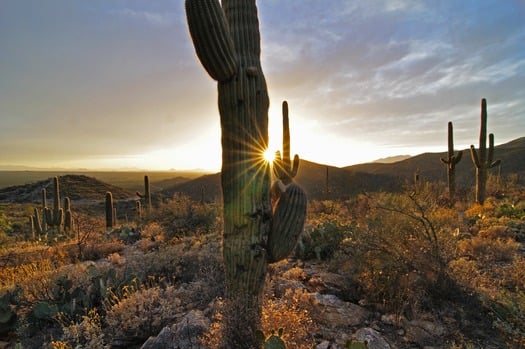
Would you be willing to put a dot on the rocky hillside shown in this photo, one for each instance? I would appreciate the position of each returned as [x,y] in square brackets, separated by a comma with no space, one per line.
[76,187]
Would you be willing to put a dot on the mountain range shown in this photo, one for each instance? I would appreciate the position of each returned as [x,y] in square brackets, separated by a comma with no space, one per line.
[319,181]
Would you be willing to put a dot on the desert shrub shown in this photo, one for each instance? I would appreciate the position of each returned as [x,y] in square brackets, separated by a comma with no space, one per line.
[14,275]
[328,223]
[401,247]
[99,249]
[508,311]
[141,311]
[180,216]
[322,240]
[85,334]
[289,313]
[489,250]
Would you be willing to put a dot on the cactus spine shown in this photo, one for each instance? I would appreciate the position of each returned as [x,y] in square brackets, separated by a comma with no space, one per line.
[227,42]
[483,159]
[451,161]
[110,212]
[147,194]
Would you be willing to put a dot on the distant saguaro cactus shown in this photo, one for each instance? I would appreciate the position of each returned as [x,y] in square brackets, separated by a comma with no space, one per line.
[44,207]
[483,159]
[110,212]
[227,42]
[451,161]
[55,217]
[138,211]
[147,195]
[68,215]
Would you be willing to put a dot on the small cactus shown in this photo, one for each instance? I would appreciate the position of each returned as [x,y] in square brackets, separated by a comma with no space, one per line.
[283,167]
[110,219]
[274,341]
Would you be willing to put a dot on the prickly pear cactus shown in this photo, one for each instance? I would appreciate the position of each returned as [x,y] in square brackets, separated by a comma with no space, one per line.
[227,42]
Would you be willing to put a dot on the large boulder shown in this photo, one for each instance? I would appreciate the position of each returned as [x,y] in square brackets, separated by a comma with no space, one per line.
[184,334]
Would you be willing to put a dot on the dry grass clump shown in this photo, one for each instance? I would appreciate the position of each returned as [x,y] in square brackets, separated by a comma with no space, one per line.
[141,312]
[289,313]
[489,250]
[87,333]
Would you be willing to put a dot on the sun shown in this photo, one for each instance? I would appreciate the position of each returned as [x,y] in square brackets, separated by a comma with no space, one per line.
[269,155]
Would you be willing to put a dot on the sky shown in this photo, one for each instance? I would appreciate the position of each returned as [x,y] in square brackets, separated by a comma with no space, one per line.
[116,84]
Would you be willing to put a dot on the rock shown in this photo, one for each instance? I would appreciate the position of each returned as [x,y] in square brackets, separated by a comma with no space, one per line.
[372,338]
[330,283]
[183,334]
[423,332]
[330,310]
[323,345]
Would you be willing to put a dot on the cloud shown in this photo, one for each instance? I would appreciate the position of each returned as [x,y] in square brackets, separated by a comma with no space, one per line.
[154,18]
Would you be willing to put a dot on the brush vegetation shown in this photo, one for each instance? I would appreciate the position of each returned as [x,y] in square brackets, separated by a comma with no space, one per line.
[406,256]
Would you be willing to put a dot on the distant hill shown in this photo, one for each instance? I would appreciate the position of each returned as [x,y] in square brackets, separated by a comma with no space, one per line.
[391,159]
[76,187]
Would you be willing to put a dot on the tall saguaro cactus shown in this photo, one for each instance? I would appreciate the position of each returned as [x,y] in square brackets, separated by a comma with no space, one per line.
[483,159]
[451,161]
[227,42]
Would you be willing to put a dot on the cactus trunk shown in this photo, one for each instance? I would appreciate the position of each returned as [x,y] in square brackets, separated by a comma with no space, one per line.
[227,41]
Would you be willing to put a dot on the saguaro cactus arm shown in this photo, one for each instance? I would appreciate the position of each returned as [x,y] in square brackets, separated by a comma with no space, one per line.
[490,156]
[283,168]
[210,34]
